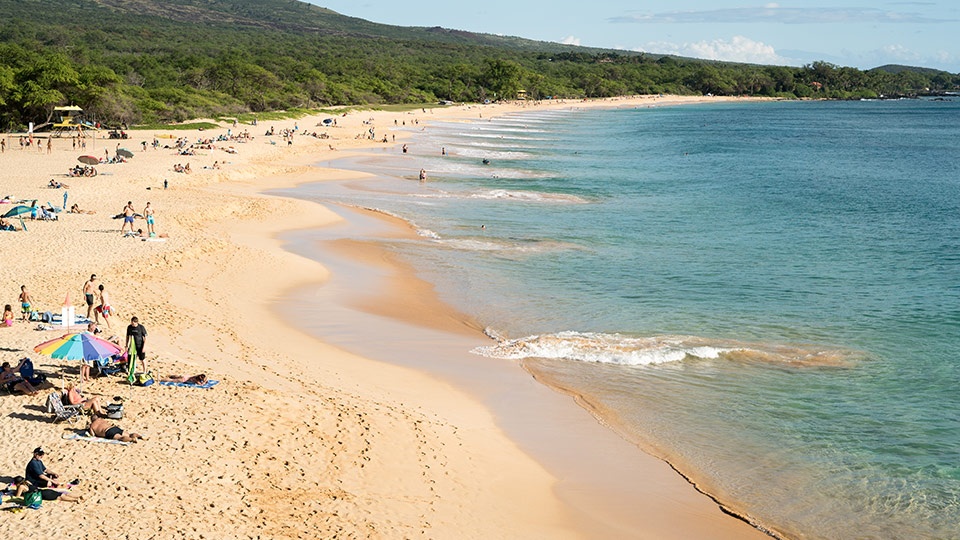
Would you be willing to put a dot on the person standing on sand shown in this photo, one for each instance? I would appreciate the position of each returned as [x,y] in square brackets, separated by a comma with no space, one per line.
[104,307]
[148,213]
[25,301]
[128,213]
[138,333]
[89,291]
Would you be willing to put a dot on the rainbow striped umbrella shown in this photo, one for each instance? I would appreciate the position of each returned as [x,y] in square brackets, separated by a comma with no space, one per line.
[78,346]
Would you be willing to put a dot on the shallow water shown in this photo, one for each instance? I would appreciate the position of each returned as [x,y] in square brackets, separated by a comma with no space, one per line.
[765,294]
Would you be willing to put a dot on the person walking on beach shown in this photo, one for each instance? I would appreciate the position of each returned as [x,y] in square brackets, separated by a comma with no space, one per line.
[148,213]
[25,301]
[104,307]
[89,292]
[138,333]
[128,213]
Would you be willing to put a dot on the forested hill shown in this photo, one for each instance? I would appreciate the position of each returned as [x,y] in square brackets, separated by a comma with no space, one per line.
[150,60]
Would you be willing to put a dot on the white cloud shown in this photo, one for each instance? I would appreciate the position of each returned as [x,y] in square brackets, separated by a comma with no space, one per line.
[737,49]
[570,40]
[774,13]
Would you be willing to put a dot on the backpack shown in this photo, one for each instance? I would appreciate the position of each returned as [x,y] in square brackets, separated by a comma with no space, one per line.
[144,379]
[115,411]
[32,499]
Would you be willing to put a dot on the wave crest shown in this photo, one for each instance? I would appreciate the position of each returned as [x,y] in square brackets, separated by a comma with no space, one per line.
[638,351]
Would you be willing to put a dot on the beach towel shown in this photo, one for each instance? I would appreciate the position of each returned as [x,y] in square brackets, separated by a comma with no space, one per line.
[209,384]
[78,437]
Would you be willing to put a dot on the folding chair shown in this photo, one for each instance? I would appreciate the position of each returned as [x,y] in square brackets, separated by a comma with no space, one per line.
[60,411]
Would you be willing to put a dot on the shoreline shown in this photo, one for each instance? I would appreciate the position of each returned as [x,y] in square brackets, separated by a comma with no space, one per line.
[202,295]
[602,476]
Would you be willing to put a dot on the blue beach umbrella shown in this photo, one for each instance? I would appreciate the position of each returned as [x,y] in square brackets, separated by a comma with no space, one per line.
[18,210]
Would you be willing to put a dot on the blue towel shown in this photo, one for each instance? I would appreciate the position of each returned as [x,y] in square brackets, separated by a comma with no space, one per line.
[209,384]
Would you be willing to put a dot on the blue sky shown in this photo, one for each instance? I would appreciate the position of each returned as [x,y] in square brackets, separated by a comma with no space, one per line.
[856,33]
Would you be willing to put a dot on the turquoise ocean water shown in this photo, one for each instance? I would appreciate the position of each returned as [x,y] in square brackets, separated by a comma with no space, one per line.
[765,294]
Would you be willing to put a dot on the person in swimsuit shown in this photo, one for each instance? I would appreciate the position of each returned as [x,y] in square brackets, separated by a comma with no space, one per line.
[46,494]
[8,315]
[104,308]
[148,213]
[108,430]
[198,380]
[89,292]
[11,379]
[25,301]
[128,213]
[73,397]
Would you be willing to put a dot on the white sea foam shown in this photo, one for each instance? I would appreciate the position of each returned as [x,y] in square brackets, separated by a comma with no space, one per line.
[427,233]
[490,152]
[507,195]
[503,137]
[601,348]
[623,350]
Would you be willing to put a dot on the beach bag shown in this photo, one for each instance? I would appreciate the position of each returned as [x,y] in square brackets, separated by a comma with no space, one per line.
[144,379]
[115,411]
[32,499]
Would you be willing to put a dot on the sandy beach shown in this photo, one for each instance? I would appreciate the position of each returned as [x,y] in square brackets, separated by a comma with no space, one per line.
[300,438]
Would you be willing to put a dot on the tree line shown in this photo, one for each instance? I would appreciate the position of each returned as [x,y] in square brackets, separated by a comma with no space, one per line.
[121,67]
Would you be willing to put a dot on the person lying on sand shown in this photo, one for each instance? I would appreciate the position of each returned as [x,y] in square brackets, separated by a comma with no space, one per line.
[108,430]
[198,380]
[75,209]
[141,234]
[7,226]
[46,494]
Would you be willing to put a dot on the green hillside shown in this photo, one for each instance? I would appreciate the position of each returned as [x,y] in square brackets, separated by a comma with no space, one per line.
[171,60]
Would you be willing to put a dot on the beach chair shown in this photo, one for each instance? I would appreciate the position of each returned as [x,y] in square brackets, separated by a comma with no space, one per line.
[60,411]
[109,366]
[47,215]
[28,373]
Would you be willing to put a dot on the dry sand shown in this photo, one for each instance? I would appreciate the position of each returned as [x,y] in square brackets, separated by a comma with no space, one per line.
[299,439]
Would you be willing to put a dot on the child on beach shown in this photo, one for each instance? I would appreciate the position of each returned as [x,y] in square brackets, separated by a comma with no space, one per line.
[7,315]
[25,301]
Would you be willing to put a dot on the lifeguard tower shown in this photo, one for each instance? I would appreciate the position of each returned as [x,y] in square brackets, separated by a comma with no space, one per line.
[71,120]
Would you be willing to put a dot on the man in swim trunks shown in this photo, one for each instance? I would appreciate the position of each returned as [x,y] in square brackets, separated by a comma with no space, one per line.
[104,307]
[105,429]
[148,213]
[25,301]
[89,292]
[128,213]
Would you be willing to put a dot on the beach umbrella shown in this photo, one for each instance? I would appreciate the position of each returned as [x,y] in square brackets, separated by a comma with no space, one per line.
[78,346]
[125,153]
[17,210]
[88,160]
